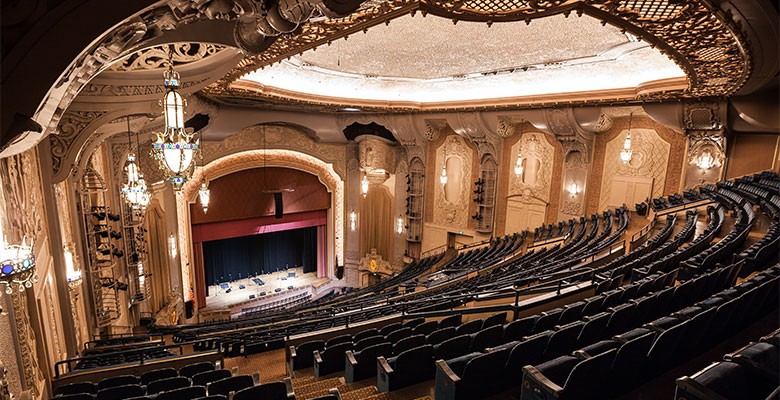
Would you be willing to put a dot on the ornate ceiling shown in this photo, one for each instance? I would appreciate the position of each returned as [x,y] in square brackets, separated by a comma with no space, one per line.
[701,41]
[430,60]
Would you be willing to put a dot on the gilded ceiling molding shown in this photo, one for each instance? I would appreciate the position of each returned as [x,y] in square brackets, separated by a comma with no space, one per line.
[157,57]
[70,126]
[703,115]
[563,125]
[701,39]
[434,129]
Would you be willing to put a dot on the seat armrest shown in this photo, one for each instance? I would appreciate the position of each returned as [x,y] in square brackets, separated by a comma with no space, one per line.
[293,354]
[351,358]
[446,382]
[384,366]
[581,354]
[537,382]
[288,385]
[317,357]
[446,371]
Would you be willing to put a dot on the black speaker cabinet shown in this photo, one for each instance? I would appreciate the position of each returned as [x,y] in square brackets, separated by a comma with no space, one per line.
[279,204]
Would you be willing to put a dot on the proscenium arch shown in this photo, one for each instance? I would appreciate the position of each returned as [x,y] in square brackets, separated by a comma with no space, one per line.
[249,159]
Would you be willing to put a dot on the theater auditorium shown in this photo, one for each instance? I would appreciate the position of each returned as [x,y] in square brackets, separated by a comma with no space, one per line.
[390,200]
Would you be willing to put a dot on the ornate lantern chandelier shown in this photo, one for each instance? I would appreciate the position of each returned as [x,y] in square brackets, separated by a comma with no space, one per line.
[17,267]
[134,190]
[175,149]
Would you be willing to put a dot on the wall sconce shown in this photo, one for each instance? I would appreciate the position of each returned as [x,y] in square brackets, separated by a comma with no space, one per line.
[519,165]
[443,177]
[172,244]
[574,190]
[205,195]
[626,152]
[364,185]
[399,224]
[707,161]
[352,220]
[72,275]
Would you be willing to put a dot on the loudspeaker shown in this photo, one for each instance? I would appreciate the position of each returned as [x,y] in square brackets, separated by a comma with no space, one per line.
[189,309]
[251,296]
[279,204]
[340,272]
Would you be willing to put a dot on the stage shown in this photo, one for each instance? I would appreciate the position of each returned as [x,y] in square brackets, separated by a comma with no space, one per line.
[271,287]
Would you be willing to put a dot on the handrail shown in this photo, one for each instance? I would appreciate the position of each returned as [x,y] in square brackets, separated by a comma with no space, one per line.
[139,352]
[434,251]
[645,229]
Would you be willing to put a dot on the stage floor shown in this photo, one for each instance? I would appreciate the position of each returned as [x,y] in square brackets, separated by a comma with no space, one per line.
[225,295]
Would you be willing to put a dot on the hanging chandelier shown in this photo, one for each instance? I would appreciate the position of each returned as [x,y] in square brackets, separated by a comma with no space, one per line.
[626,152]
[17,268]
[174,148]
[134,190]
[443,178]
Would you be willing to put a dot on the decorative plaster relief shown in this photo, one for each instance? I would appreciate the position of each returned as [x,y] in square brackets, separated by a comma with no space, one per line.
[534,183]
[451,200]
[649,162]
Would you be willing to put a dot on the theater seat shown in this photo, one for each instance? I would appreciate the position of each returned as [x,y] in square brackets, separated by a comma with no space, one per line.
[722,380]
[451,321]
[158,374]
[440,335]
[302,356]
[232,384]
[489,337]
[204,378]
[566,377]
[331,359]
[408,343]
[410,367]
[167,384]
[190,370]
[75,388]
[454,347]
[190,392]
[114,381]
[120,392]
[474,379]
[361,365]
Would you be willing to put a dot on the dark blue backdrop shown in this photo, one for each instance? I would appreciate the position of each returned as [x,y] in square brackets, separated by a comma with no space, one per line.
[258,254]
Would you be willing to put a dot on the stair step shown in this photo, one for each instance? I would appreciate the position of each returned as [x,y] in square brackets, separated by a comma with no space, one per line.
[365,393]
[302,381]
[319,386]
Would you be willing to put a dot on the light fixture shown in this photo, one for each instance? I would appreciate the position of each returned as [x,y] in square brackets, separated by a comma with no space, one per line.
[17,268]
[626,152]
[519,165]
[174,148]
[574,189]
[204,193]
[72,275]
[172,244]
[134,190]
[706,161]
[399,224]
[443,178]
[352,220]
[364,185]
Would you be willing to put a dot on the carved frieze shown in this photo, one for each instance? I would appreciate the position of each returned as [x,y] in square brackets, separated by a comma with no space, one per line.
[534,182]
[649,161]
[451,208]
[70,127]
